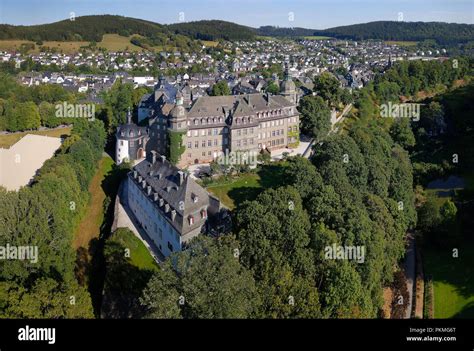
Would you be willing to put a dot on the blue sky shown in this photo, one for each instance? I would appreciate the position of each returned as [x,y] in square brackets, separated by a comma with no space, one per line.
[315,14]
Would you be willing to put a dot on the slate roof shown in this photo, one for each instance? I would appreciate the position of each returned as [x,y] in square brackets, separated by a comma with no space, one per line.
[239,104]
[186,198]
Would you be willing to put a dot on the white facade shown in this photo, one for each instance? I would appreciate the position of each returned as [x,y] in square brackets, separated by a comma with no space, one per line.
[158,227]
[121,151]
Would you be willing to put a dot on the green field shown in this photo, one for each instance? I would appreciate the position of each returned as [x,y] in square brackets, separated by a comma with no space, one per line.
[453,281]
[401,43]
[90,226]
[7,140]
[247,186]
[111,42]
[139,254]
[316,37]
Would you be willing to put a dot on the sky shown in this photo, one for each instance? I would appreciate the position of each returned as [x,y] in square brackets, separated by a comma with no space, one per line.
[314,14]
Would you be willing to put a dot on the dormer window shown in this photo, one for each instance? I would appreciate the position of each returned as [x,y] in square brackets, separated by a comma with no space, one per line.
[203,214]
[191,220]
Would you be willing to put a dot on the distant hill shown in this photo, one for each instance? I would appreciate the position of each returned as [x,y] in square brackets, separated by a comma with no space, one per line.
[92,28]
[272,31]
[87,28]
[442,33]
[213,30]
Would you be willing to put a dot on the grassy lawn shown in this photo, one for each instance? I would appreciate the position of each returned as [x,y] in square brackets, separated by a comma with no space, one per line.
[453,281]
[401,43]
[115,42]
[139,254]
[89,228]
[247,186]
[111,42]
[316,37]
[64,46]
[210,43]
[7,140]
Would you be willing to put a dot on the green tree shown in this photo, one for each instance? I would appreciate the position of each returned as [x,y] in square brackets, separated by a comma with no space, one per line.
[220,88]
[315,117]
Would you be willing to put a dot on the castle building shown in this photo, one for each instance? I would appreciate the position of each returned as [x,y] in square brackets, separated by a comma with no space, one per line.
[209,126]
[131,141]
[168,204]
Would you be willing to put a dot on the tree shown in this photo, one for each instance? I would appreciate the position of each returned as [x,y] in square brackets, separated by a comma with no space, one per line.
[205,281]
[272,88]
[315,117]
[329,88]
[302,174]
[220,88]
[402,134]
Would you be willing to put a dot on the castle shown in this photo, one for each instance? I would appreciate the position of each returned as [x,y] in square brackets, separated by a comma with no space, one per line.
[198,129]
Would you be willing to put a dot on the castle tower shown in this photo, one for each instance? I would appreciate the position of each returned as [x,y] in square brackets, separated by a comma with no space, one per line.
[288,87]
[177,116]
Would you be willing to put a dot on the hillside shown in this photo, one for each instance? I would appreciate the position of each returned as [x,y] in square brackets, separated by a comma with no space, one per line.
[85,28]
[213,30]
[443,33]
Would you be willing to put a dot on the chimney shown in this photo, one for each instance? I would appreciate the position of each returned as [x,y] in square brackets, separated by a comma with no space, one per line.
[155,197]
[135,174]
[167,208]
[180,178]
[148,190]
[143,184]
[140,179]
[163,158]
[153,157]
[162,202]
[173,215]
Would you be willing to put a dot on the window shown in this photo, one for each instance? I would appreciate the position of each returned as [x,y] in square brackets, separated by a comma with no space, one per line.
[196,144]
[191,220]
[215,131]
[188,133]
[189,145]
[160,233]
[196,133]
[203,213]
[209,143]
[203,132]
[203,143]
[239,132]
[215,142]
[170,247]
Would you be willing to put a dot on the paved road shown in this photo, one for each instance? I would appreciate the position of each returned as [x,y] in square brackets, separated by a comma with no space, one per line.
[410,273]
